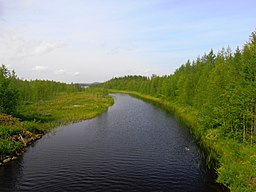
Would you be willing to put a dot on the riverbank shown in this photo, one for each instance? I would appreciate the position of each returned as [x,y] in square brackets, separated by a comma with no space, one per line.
[234,162]
[35,119]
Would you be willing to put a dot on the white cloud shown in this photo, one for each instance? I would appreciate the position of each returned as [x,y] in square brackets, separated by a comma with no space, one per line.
[46,47]
[60,72]
[14,46]
[76,73]
[40,68]
[65,72]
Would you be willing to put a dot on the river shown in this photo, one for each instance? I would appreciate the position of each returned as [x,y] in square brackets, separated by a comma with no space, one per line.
[134,146]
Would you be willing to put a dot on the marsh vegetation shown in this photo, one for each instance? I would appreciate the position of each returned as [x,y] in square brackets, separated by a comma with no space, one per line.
[29,109]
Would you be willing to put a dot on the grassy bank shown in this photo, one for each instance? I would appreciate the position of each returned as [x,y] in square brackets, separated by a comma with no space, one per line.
[234,162]
[34,119]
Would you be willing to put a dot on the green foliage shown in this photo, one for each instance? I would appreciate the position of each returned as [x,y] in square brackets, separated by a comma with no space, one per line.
[221,87]
[42,105]
[43,115]
[7,131]
[10,128]
[218,92]
[14,91]
[32,126]
[8,147]
[33,91]
[8,94]
[67,107]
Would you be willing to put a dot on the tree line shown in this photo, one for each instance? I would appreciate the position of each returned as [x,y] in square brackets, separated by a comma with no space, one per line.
[15,92]
[220,87]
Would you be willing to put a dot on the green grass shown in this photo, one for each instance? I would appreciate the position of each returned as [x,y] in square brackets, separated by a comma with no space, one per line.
[67,108]
[10,128]
[8,147]
[35,119]
[234,162]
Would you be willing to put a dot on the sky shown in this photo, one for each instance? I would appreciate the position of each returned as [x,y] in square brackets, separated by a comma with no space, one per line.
[94,41]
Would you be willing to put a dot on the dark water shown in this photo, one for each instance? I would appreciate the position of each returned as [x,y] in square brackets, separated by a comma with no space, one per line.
[132,147]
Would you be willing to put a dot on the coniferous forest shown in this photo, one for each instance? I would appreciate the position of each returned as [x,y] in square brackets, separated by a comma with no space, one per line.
[221,87]
[15,91]
[217,91]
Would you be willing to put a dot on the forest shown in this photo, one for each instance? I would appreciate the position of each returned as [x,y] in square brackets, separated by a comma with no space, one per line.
[221,87]
[217,91]
[15,91]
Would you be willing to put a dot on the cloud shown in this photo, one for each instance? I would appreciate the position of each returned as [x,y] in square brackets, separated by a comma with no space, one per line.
[15,46]
[40,68]
[46,47]
[137,37]
[65,72]
[60,72]
[76,73]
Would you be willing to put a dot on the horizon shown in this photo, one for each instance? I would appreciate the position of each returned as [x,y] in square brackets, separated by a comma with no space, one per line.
[86,42]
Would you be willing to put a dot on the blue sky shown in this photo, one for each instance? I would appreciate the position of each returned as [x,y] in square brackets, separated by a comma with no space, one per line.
[87,41]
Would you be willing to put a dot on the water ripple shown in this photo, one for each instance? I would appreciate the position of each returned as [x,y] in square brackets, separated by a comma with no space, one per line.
[133,147]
